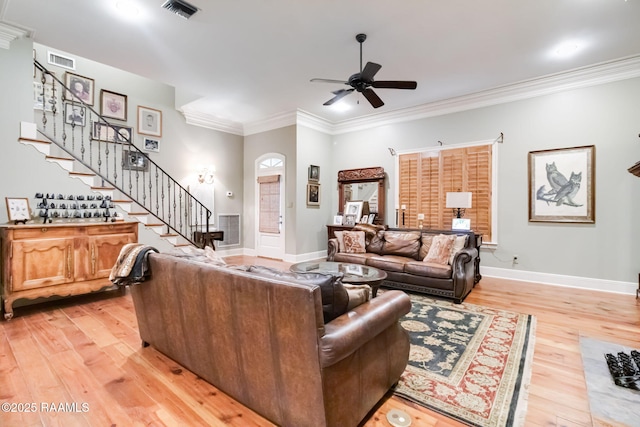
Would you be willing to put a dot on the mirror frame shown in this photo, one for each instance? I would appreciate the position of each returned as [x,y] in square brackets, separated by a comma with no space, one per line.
[354,176]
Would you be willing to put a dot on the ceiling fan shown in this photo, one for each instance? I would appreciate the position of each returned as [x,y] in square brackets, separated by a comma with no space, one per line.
[363,82]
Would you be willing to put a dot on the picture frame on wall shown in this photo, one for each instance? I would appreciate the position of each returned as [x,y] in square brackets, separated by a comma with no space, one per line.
[314,173]
[43,97]
[75,114]
[18,209]
[313,194]
[151,144]
[562,185]
[149,121]
[113,105]
[80,88]
[135,161]
[112,133]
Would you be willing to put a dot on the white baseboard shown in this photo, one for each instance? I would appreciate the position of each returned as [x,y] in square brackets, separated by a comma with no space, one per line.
[627,288]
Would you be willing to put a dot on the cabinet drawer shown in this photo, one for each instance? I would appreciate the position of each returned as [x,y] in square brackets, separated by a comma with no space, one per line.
[112,228]
[44,232]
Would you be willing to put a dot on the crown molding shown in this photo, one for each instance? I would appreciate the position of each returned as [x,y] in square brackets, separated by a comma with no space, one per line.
[597,74]
[198,118]
[9,33]
[606,72]
[270,123]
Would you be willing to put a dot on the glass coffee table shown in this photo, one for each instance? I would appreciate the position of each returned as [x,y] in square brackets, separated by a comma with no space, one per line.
[355,274]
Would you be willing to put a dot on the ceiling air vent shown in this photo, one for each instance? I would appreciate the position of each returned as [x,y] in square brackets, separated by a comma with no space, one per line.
[61,61]
[180,8]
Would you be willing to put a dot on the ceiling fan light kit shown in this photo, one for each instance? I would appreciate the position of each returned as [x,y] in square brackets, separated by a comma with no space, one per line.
[363,82]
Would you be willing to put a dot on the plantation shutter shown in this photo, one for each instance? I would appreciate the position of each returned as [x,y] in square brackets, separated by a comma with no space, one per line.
[269,221]
[426,178]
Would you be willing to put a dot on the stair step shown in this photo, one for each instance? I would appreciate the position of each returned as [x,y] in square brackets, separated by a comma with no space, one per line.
[154,224]
[169,235]
[36,141]
[54,158]
[138,213]
[82,174]
[103,188]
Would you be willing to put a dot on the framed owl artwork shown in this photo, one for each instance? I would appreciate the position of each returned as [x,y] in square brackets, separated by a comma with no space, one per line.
[561,185]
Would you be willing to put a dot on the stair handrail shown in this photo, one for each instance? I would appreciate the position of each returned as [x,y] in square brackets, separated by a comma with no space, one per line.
[191,208]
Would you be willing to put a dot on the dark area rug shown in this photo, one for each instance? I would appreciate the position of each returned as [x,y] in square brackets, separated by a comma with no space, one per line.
[469,362]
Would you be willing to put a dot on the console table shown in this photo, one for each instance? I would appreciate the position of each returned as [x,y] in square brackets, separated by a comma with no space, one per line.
[204,238]
[43,260]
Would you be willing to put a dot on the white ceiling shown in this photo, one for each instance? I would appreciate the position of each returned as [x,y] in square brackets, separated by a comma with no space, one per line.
[248,60]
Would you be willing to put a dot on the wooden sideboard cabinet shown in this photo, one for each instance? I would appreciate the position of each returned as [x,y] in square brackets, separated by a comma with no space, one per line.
[59,259]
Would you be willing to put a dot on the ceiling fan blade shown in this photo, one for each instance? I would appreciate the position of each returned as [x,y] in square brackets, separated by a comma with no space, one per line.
[373,99]
[329,81]
[339,94]
[369,71]
[394,84]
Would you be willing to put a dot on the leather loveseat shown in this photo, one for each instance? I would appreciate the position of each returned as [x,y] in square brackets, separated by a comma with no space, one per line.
[436,262]
[260,336]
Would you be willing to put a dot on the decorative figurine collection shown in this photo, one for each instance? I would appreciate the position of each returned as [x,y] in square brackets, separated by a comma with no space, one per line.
[75,207]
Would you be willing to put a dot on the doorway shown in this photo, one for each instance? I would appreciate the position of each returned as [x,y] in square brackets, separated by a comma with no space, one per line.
[269,219]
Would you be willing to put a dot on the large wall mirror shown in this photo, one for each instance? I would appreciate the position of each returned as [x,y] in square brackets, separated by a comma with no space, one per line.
[366,184]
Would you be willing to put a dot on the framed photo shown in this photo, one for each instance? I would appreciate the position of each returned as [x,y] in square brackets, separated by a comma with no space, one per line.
[18,209]
[313,194]
[151,144]
[112,133]
[354,208]
[43,97]
[461,224]
[135,161]
[75,114]
[113,105]
[80,88]
[337,220]
[354,269]
[372,217]
[562,185]
[149,121]
[349,219]
[314,173]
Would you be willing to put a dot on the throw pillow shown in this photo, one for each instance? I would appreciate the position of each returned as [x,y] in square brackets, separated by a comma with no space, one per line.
[440,250]
[338,235]
[458,244]
[353,242]
[358,294]
[370,231]
[427,239]
[335,298]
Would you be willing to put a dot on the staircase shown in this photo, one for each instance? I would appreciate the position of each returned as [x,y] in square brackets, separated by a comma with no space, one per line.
[101,155]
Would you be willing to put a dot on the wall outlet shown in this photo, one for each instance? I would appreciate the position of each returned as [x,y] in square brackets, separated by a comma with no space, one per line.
[229,194]
[515,259]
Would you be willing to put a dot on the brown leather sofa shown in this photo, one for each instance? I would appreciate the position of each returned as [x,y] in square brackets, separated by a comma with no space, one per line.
[259,335]
[401,254]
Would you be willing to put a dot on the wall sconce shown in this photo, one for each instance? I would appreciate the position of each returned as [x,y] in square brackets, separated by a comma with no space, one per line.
[458,201]
[205,174]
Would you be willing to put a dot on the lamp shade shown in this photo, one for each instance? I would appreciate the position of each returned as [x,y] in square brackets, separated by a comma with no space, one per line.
[459,200]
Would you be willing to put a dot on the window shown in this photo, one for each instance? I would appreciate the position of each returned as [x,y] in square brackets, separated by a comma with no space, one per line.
[269,221]
[426,177]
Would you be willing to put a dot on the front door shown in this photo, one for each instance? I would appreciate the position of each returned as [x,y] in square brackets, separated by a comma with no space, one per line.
[269,208]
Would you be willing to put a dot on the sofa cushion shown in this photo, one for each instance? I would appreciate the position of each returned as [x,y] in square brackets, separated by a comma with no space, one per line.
[402,243]
[354,242]
[426,241]
[440,249]
[353,258]
[428,269]
[335,298]
[458,244]
[389,262]
[376,244]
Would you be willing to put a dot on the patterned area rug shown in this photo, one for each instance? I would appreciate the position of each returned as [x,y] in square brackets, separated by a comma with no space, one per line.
[611,405]
[468,362]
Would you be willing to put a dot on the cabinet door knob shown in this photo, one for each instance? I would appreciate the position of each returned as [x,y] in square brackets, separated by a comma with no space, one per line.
[44,229]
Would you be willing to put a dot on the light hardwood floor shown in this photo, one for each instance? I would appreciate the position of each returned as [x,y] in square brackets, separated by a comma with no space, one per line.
[86,352]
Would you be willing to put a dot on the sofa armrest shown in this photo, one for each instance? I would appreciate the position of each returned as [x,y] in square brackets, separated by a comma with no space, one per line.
[332,249]
[463,273]
[347,333]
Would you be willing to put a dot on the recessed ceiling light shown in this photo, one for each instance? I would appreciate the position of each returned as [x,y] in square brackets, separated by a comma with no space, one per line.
[567,49]
[127,8]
